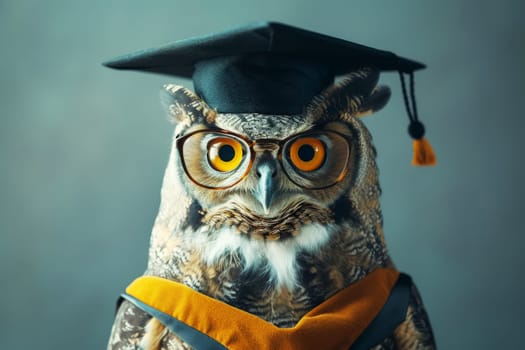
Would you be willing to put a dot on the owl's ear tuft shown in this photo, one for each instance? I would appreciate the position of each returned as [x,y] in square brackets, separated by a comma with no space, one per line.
[377,99]
[184,107]
[356,95]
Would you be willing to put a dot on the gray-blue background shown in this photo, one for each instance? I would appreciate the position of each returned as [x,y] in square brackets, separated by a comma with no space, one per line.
[83,149]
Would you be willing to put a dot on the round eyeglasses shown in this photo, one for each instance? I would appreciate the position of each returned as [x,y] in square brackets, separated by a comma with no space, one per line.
[220,159]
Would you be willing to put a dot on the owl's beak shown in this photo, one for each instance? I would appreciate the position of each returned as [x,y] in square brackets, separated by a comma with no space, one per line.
[264,191]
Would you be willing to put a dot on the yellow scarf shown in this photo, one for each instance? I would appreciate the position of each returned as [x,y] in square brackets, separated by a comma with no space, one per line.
[334,324]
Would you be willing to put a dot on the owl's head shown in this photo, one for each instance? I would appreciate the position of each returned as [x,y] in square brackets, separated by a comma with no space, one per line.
[279,178]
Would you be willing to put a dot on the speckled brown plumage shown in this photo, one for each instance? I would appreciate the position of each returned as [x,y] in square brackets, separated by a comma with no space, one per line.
[295,215]
[211,240]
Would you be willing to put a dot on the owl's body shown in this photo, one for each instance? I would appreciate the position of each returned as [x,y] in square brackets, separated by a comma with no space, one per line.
[278,233]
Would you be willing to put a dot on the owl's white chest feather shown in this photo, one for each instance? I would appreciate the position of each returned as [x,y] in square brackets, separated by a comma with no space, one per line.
[278,258]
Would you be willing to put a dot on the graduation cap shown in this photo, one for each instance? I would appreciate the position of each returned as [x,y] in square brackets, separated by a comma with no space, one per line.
[273,68]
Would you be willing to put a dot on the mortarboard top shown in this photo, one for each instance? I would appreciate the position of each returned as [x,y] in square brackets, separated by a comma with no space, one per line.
[267,67]
[180,57]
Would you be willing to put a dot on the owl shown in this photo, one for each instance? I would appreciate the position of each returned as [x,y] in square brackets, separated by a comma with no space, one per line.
[273,215]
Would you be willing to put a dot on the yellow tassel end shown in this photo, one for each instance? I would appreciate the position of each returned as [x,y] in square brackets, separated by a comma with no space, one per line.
[423,153]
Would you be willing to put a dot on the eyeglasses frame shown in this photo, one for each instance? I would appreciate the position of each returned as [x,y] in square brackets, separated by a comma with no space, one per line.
[262,146]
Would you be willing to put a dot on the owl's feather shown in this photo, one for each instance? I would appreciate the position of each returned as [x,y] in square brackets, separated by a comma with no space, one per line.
[276,264]
[356,95]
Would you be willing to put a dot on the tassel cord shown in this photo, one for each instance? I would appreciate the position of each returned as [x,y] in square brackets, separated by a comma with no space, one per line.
[423,152]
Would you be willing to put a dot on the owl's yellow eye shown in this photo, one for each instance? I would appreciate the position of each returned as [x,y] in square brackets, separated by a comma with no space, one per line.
[225,154]
[307,153]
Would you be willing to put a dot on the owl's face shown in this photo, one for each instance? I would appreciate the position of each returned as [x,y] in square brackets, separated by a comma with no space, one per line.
[265,188]
[265,164]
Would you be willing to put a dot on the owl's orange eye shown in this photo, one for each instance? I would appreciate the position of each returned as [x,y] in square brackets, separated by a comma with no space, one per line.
[225,154]
[307,153]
